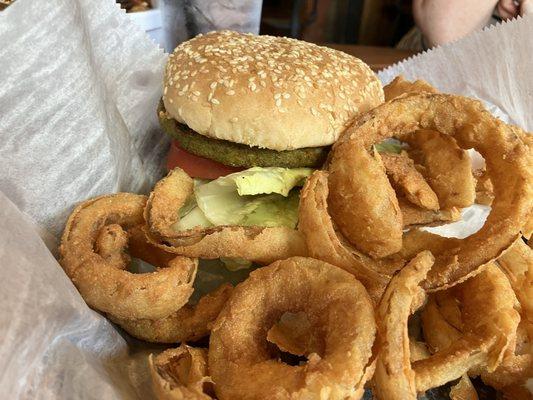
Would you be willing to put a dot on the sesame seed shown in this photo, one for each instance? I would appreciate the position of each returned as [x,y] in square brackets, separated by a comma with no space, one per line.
[283,65]
[234,119]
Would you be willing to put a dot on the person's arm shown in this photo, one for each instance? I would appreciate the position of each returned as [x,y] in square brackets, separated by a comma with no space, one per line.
[443,21]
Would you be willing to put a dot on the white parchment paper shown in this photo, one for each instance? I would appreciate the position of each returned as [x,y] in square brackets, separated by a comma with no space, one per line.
[79,87]
[79,84]
[494,65]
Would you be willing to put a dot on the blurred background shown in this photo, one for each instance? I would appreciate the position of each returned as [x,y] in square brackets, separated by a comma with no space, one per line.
[374,22]
[380,32]
[370,22]
[336,23]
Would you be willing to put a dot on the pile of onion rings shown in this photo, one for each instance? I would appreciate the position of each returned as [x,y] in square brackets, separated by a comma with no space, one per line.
[100,237]
[445,319]
[327,326]
[356,175]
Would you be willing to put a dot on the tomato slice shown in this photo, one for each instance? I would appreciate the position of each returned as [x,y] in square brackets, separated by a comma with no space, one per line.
[195,166]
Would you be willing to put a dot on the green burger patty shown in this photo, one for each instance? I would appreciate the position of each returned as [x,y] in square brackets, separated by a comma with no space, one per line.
[237,154]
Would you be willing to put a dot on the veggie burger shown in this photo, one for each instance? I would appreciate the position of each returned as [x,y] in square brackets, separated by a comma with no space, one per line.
[251,116]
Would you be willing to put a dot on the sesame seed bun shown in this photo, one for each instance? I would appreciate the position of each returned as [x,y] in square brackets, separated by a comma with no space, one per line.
[270,92]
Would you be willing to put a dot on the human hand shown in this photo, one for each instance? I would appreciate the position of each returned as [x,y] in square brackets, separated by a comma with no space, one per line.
[508,9]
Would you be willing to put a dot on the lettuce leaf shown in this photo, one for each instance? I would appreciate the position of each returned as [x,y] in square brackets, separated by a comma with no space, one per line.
[257,196]
[235,264]
[389,146]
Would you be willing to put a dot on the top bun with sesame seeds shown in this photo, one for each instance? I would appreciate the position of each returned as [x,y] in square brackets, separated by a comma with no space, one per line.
[270,92]
[281,100]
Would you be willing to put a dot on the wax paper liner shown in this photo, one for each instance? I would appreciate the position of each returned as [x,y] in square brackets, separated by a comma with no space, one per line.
[78,93]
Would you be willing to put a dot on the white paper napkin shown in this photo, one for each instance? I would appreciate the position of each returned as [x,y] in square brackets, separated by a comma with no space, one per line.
[79,86]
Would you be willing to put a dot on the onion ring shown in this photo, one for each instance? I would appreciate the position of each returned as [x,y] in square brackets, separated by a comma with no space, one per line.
[417,216]
[463,390]
[517,263]
[447,167]
[189,323]
[102,280]
[180,374]
[484,189]
[326,244]
[393,378]
[417,350]
[508,158]
[337,306]
[258,244]
[293,334]
[490,325]
[406,179]
[488,329]
[400,85]
[110,244]
[354,174]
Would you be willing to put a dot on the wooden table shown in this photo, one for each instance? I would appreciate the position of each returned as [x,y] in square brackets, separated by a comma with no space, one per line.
[376,57]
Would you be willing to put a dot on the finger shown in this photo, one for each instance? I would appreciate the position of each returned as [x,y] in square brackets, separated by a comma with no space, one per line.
[507,9]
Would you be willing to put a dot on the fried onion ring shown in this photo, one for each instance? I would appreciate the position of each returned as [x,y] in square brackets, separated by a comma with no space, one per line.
[293,334]
[490,323]
[447,167]
[370,219]
[189,323]
[417,216]
[517,263]
[394,378]
[325,243]
[406,179]
[509,164]
[258,244]
[463,390]
[400,85]
[102,279]
[484,189]
[180,374]
[337,307]
[484,336]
